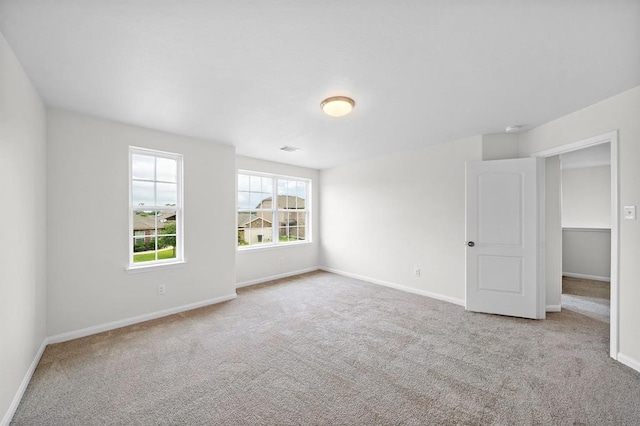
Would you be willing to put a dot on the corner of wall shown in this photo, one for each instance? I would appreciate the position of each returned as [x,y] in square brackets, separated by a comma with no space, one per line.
[23,163]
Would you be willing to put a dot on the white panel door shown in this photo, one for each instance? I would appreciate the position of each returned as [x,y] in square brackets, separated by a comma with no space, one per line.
[503,253]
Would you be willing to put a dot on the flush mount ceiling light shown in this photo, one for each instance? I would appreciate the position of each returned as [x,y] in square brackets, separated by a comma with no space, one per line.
[512,129]
[337,106]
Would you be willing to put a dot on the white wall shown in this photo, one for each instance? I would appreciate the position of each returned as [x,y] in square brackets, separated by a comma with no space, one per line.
[385,216]
[586,222]
[257,265]
[619,112]
[586,253]
[500,146]
[22,232]
[586,197]
[88,224]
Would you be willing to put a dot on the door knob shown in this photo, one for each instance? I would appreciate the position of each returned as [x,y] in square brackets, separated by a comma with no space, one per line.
[471,244]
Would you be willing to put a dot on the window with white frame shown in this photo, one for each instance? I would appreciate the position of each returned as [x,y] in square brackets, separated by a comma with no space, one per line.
[261,221]
[155,207]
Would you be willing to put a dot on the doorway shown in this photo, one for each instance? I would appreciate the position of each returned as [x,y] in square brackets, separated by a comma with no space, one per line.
[554,245]
[586,231]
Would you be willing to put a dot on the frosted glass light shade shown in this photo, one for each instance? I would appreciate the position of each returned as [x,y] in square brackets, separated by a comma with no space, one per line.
[337,106]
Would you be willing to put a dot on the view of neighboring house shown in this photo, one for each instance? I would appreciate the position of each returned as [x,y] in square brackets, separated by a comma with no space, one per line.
[254,228]
[257,226]
[144,225]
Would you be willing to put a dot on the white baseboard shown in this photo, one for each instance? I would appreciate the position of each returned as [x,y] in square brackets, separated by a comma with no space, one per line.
[134,320]
[554,308]
[276,277]
[586,277]
[629,362]
[400,287]
[23,386]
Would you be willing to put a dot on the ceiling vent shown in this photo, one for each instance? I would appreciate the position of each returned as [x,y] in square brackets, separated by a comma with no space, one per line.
[288,148]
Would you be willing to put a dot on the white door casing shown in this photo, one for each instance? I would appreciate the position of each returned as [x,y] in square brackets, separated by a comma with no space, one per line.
[612,139]
[504,265]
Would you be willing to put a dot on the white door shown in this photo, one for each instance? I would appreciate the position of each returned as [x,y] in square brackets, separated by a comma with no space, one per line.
[504,261]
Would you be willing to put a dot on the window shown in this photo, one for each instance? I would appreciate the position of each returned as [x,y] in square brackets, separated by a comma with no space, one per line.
[155,212]
[261,221]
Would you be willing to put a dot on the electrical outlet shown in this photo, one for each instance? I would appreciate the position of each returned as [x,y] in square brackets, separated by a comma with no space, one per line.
[162,289]
[630,212]
[416,272]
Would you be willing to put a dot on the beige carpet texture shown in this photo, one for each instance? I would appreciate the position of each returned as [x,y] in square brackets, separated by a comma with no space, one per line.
[322,349]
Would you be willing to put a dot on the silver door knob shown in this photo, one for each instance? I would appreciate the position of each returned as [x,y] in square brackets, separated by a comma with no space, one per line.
[471,244]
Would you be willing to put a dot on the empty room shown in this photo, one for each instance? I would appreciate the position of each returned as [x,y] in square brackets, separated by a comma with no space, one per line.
[319,212]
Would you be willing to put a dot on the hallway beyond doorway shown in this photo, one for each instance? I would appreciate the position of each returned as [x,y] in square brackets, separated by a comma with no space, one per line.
[586,297]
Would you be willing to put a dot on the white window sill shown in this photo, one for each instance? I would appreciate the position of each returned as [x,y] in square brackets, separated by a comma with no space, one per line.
[250,249]
[137,269]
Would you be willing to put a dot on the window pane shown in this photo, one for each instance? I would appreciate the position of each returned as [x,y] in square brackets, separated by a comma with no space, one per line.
[266,200]
[139,245]
[244,202]
[301,190]
[244,217]
[255,200]
[291,225]
[144,224]
[287,187]
[285,218]
[266,220]
[292,194]
[301,195]
[255,184]
[142,193]
[267,185]
[166,194]
[167,220]
[261,234]
[167,241]
[168,252]
[166,169]
[142,167]
[254,228]
[243,182]
[283,233]
[166,228]
[144,249]
[282,187]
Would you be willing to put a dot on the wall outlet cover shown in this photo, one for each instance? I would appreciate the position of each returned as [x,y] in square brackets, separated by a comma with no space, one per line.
[630,212]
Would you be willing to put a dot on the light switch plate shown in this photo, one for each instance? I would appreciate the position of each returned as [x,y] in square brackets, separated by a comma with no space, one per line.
[630,212]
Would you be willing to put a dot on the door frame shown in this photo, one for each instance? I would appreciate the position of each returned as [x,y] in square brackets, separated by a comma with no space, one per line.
[612,139]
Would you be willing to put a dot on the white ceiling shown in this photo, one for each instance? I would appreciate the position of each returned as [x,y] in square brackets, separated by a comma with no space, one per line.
[253,73]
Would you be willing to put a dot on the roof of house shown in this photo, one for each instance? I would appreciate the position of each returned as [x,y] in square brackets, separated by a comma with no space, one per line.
[145,221]
[246,218]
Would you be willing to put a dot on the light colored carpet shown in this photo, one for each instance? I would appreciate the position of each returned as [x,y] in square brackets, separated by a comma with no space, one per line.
[321,349]
[587,297]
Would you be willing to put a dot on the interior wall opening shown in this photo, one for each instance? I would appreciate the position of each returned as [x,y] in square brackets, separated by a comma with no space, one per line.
[585,180]
[607,142]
